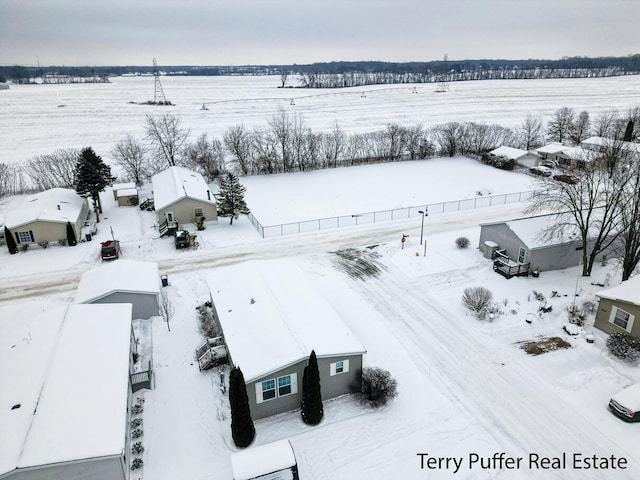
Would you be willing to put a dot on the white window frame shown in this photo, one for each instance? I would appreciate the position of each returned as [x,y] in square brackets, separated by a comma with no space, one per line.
[198,212]
[614,314]
[522,255]
[334,368]
[170,217]
[25,236]
[293,384]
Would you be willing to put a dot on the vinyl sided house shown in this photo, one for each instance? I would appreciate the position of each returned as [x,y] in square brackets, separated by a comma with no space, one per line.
[65,394]
[43,217]
[272,317]
[619,308]
[123,281]
[521,241]
[181,195]
[518,156]
[554,152]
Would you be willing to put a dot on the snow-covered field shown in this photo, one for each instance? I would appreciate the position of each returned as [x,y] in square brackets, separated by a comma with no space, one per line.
[465,386]
[40,119]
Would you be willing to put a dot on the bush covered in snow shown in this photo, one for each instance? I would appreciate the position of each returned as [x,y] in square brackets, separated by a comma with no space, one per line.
[377,387]
[208,323]
[480,301]
[624,346]
[462,242]
[137,448]
[136,463]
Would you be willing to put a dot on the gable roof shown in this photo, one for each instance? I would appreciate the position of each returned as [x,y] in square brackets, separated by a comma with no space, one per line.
[71,408]
[528,230]
[258,461]
[510,152]
[552,148]
[58,205]
[118,276]
[273,316]
[176,183]
[628,291]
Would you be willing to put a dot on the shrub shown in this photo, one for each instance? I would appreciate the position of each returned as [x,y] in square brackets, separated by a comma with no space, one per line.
[312,410]
[136,409]
[477,299]
[624,346]
[136,463]
[137,433]
[462,242]
[11,242]
[137,448]
[242,428]
[575,315]
[208,323]
[376,387]
[136,422]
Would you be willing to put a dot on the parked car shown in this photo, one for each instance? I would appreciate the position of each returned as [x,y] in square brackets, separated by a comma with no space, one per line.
[110,250]
[566,178]
[626,403]
[541,170]
[182,239]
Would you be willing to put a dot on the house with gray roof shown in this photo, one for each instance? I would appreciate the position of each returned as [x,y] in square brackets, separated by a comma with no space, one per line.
[619,308]
[272,317]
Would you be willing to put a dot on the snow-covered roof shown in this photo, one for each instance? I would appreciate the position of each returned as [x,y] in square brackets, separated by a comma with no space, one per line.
[118,276]
[606,142]
[530,230]
[273,316]
[120,186]
[509,152]
[59,205]
[257,461]
[68,371]
[127,192]
[552,148]
[176,183]
[628,291]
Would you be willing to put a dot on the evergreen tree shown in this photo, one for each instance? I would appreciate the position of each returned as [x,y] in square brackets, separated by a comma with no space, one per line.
[11,242]
[242,429]
[71,235]
[230,198]
[628,133]
[312,409]
[92,176]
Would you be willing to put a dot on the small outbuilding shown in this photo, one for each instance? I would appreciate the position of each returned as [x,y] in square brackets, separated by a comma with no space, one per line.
[43,217]
[272,317]
[273,461]
[116,187]
[128,197]
[123,281]
[619,308]
[65,394]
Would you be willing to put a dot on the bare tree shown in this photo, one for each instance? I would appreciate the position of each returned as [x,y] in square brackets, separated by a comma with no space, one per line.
[167,138]
[332,146]
[11,179]
[592,206]
[560,126]
[284,73]
[581,127]
[629,242]
[607,124]
[529,134]
[281,127]
[131,155]
[57,169]
[449,138]
[206,156]
[265,149]
[238,142]
[167,310]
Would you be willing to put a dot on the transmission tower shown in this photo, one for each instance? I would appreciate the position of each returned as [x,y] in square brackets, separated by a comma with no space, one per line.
[443,85]
[158,92]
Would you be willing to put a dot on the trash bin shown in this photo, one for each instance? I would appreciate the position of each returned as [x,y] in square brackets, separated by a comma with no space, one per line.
[87,236]
[165,280]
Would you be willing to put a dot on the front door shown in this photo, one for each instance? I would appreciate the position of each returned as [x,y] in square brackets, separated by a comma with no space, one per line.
[169,216]
[522,255]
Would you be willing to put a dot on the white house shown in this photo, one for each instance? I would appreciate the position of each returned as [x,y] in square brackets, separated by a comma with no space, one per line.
[123,281]
[272,317]
[619,308]
[65,394]
[181,195]
[521,157]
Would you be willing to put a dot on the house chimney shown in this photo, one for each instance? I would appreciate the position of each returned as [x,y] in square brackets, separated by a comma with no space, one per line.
[58,206]
[208,195]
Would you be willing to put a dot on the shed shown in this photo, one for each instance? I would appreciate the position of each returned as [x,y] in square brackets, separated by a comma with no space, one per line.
[181,195]
[70,419]
[522,241]
[521,157]
[619,308]
[273,461]
[43,217]
[123,281]
[272,317]
[121,186]
[127,197]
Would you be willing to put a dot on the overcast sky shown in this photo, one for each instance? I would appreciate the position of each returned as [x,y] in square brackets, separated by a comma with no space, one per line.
[250,32]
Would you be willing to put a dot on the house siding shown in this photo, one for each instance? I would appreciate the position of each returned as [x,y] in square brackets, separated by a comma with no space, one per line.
[183,211]
[111,468]
[503,236]
[605,306]
[331,386]
[145,305]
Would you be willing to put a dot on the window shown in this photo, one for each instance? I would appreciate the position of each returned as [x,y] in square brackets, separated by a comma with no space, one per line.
[339,367]
[522,255]
[276,387]
[198,212]
[621,318]
[169,216]
[24,237]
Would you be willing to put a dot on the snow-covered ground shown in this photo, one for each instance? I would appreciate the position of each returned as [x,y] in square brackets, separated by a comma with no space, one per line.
[465,386]
[38,119]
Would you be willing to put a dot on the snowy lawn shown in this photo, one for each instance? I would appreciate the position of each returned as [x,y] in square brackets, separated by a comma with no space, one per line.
[465,386]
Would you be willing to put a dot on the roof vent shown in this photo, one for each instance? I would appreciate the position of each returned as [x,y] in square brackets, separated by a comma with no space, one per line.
[58,206]
[16,406]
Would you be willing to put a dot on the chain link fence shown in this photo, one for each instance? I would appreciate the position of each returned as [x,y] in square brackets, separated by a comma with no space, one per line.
[386,215]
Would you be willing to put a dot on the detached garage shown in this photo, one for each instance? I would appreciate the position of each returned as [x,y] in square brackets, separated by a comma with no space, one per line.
[123,281]
[274,461]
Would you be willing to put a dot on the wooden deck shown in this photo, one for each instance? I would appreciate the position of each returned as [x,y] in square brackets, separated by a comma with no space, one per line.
[510,269]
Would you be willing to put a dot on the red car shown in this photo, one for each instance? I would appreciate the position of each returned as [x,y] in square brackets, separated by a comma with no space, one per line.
[110,250]
[566,179]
